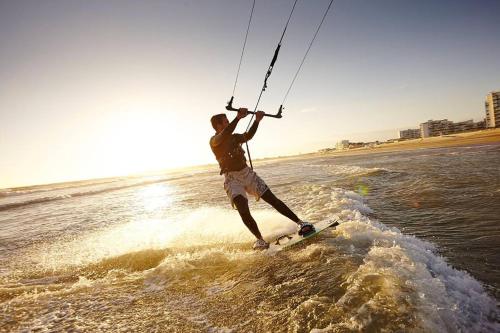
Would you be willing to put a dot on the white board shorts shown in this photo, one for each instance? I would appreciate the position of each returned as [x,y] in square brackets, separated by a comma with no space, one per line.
[243,182]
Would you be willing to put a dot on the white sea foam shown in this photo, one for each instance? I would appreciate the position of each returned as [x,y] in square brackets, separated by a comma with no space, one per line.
[406,271]
[411,274]
[398,272]
[350,170]
[203,226]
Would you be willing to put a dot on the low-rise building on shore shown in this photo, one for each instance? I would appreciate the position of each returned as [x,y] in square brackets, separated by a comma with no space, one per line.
[411,133]
[344,144]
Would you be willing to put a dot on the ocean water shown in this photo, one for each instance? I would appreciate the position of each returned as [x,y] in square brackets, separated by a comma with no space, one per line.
[417,250]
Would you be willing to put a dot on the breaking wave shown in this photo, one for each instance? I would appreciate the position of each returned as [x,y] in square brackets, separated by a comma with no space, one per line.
[197,273]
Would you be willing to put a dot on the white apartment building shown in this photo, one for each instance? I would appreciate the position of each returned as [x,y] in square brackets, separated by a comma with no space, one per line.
[492,106]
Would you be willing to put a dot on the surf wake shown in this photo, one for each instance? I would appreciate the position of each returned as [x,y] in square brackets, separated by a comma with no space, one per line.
[199,267]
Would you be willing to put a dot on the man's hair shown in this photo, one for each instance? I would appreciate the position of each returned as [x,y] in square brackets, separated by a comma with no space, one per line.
[217,119]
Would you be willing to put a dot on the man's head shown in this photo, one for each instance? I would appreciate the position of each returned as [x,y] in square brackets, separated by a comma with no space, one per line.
[219,122]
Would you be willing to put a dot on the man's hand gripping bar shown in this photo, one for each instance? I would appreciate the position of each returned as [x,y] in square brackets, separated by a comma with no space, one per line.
[230,107]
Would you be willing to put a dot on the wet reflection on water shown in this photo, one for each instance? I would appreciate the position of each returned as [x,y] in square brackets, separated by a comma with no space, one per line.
[168,254]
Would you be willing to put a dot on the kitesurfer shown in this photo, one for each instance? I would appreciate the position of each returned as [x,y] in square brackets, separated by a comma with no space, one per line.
[239,179]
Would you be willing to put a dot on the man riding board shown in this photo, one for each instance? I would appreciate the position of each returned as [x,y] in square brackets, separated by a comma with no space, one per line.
[239,179]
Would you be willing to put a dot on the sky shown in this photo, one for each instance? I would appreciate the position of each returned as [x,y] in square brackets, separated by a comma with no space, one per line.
[101,88]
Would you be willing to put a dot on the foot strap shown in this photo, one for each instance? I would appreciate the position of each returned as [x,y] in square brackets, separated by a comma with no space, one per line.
[306,229]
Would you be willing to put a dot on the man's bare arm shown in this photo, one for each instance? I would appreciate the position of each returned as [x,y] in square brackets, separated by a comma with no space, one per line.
[253,129]
[226,132]
[248,135]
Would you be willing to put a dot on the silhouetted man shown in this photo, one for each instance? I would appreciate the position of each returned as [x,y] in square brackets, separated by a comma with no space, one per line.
[239,179]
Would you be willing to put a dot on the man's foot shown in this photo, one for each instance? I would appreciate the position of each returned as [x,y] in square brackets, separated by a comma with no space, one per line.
[260,244]
[305,228]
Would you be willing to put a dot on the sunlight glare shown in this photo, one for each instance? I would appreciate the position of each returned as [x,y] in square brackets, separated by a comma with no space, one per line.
[156,196]
[135,141]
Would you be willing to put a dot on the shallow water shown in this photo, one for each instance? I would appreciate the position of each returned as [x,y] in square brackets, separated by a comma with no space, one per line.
[417,250]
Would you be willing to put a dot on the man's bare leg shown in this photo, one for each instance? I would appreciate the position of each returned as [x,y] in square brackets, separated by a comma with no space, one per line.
[305,227]
[279,205]
[241,204]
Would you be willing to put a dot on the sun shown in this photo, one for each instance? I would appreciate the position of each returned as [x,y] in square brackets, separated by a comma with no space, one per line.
[134,141]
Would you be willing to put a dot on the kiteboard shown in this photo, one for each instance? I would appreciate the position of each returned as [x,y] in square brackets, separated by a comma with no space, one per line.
[288,241]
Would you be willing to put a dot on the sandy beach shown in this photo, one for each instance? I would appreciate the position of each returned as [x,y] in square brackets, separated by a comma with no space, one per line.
[454,140]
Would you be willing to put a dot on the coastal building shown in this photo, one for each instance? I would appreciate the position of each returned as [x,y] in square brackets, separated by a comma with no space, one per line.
[468,125]
[445,127]
[353,145]
[412,133]
[492,106]
[436,128]
[344,144]
[372,144]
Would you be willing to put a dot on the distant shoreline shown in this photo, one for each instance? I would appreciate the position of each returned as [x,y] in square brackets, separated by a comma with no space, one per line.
[488,136]
[453,140]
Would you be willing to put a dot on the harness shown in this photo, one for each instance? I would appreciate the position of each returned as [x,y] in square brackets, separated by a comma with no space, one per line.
[230,156]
